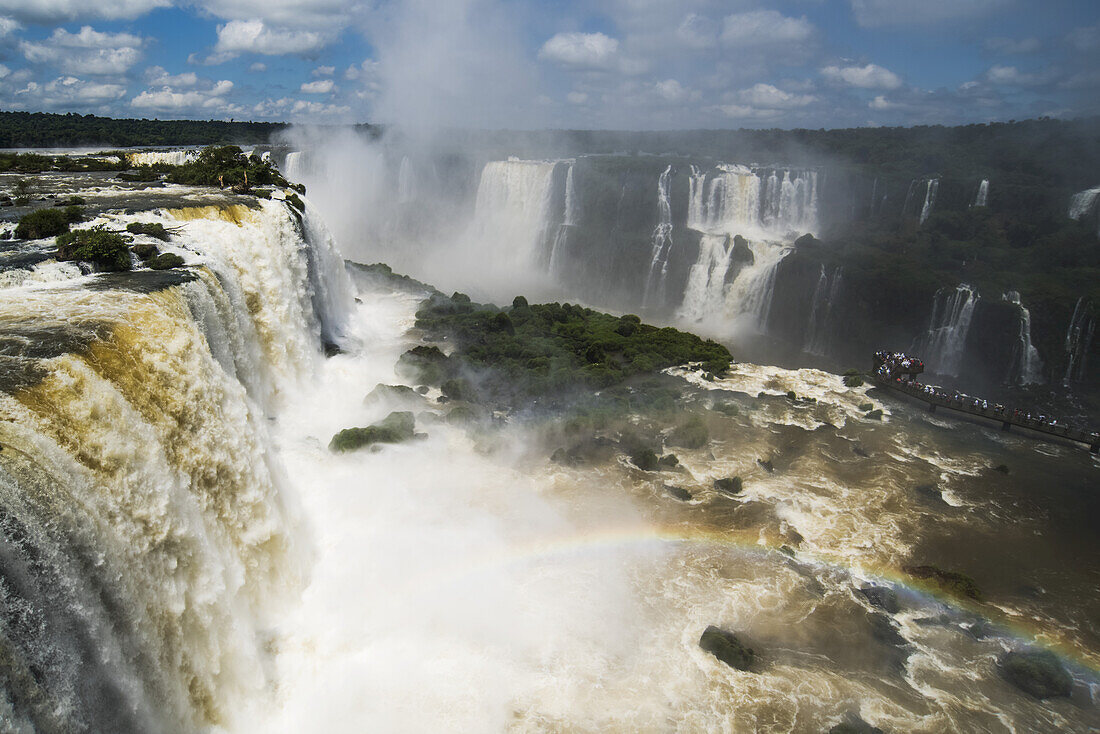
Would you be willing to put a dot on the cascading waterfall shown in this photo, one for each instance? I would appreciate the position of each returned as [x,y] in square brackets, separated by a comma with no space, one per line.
[570,217]
[662,238]
[405,181]
[168,157]
[819,330]
[512,213]
[982,196]
[1082,326]
[144,532]
[765,206]
[944,344]
[1026,367]
[929,199]
[1084,203]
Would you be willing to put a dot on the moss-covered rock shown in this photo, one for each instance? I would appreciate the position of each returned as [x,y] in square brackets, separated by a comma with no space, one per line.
[874,415]
[145,251]
[424,364]
[151,229]
[1037,673]
[165,261]
[766,465]
[729,485]
[727,647]
[853,724]
[402,395]
[459,389]
[47,222]
[678,492]
[881,597]
[668,461]
[729,409]
[394,428]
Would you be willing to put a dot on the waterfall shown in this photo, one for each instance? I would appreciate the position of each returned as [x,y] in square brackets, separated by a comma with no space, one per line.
[944,344]
[570,218]
[404,181]
[662,238]
[1079,335]
[1026,367]
[144,530]
[983,193]
[168,157]
[293,167]
[1083,203]
[766,206]
[512,213]
[819,329]
[929,199]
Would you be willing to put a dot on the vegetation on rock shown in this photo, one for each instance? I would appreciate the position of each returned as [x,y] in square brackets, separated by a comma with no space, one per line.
[394,428]
[152,229]
[226,166]
[100,246]
[47,222]
[1037,673]
[953,582]
[165,261]
[729,485]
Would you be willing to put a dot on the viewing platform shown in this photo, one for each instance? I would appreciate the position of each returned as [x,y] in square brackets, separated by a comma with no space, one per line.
[897,371]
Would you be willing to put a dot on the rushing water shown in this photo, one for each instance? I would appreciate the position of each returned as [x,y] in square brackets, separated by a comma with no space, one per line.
[179,550]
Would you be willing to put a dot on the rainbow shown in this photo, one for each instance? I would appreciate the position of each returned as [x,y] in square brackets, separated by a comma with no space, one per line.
[744,542]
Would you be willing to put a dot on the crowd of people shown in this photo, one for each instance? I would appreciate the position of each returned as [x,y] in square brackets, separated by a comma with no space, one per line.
[899,370]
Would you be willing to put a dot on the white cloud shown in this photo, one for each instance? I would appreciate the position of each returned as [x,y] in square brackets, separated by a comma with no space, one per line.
[672,91]
[54,11]
[68,92]
[881,103]
[577,97]
[876,13]
[4,71]
[303,107]
[324,71]
[328,16]
[1010,75]
[258,66]
[870,76]
[764,28]
[321,86]
[1086,38]
[8,26]
[1012,45]
[766,95]
[86,52]
[697,32]
[581,50]
[157,75]
[170,99]
[253,36]
[743,112]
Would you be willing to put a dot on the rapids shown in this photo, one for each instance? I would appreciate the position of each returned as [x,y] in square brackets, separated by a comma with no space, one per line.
[180,551]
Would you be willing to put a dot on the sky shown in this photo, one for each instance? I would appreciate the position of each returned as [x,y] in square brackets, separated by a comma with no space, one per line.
[598,64]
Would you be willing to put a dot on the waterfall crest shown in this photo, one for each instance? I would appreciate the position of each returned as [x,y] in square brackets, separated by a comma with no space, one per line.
[944,344]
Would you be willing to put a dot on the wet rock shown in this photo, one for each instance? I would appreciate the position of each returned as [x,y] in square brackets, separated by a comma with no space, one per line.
[1037,673]
[883,630]
[860,451]
[853,724]
[678,492]
[766,464]
[931,493]
[786,550]
[331,349]
[874,415]
[953,582]
[645,460]
[1002,468]
[468,413]
[402,395]
[593,450]
[668,462]
[729,485]
[881,597]
[726,647]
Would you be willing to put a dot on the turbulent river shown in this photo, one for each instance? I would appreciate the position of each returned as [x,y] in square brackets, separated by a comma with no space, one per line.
[180,551]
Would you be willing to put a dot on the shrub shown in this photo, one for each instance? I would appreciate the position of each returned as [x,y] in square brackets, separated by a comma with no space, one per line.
[226,166]
[690,435]
[853,380]
[645,460]
[47,222]
[103,248]
[152,229]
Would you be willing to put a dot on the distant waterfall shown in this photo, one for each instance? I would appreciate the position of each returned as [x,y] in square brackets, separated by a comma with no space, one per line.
[662,238]
[293,168]
[766,206]
[512,217]
[1027,366]
[944,344]
[168,157]
[819,329]
[929,199]
[570,218]
[1084,203]
[405,181]
[983,193]
[1082,326]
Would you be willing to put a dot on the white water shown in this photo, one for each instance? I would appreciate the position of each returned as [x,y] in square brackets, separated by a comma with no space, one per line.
[930,192]
[819,330]
[1083,203]
[662,239]
[169,157]
[1082,326]
[570,218]
[983,193]
[944,344]
[405,183]
[741,304]
[1028,366]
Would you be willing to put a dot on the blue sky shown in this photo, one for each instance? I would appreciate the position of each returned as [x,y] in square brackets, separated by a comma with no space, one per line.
[631,64]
